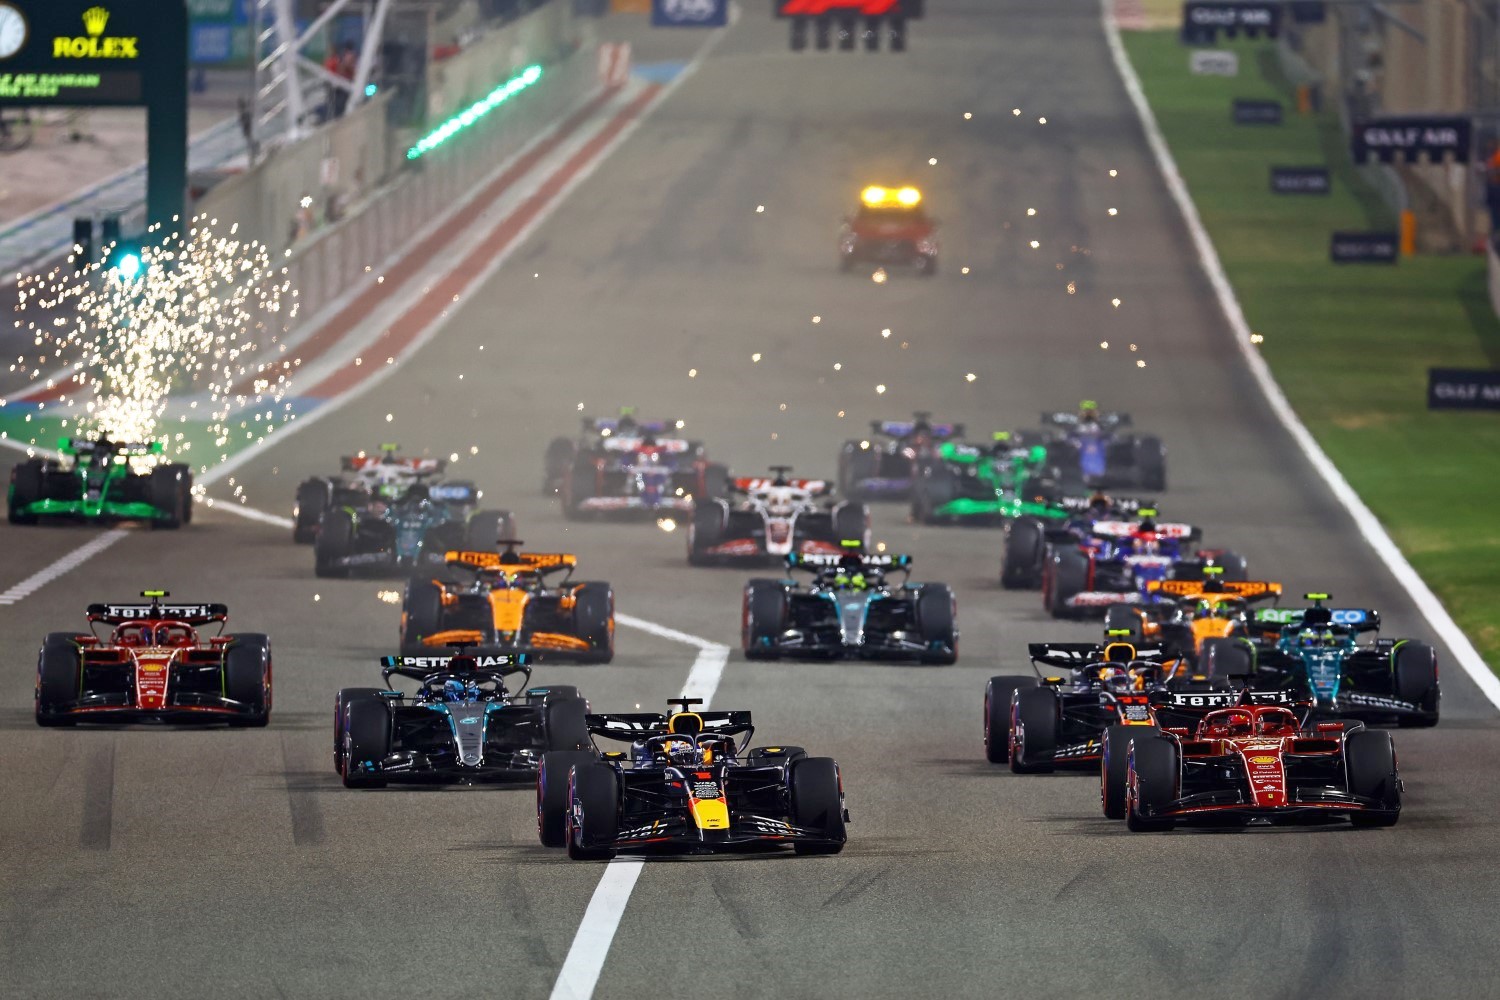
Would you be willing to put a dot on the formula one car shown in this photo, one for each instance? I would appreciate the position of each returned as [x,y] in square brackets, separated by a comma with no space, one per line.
[972,484]
[629,466]
[154,667]
[417,528]
[1185,613]
[461,725]
[96,481]
[501,602]
[1093,450]
[1316,654]
[1065,521]
[850,611]
[885,465]
[890,227]
[1041,723]
[1118,559]
[773,518]
[361,479]
[1258,763]
[688,785]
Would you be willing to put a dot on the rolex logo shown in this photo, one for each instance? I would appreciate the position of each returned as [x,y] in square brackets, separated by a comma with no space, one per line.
[95,45]
[94,20]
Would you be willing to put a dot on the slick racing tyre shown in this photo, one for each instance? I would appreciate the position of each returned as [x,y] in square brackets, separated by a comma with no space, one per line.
[932,489]
[594,620]
[558,461]
[764,619]
[340,709]
[57,670]
[580,484]
[1416,669]
[247,678]
[1067,575]
[367,740]
[856,465]
[1033,729]
[817,804]
[705,531]
[552,793]
[1370,760]
[312,501]
[997,698]
[715,482]
[850,521]
[25,489]
[421,614]
[1151,782]
[170,491]
[937,617]
[487,527]
[1114,766]
[1150,463]
[593,820]
[1023,554]
[335,542]
[567,724]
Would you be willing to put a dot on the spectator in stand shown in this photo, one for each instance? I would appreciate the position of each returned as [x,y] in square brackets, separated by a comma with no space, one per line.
[341,63]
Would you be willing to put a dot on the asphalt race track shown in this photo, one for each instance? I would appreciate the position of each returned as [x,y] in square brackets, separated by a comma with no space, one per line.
[165,862]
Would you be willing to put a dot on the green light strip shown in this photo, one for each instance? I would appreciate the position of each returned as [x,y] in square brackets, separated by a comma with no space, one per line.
[474,112]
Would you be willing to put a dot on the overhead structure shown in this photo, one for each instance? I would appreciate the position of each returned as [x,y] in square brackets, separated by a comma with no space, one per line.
[851,21]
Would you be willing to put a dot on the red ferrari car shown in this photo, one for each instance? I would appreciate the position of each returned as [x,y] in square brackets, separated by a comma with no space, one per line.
[154,666]
[1256,762]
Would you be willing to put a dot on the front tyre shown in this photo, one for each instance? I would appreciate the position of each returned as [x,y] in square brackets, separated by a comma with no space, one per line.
[998,694]
[247,678]
[818,804]
[593,821]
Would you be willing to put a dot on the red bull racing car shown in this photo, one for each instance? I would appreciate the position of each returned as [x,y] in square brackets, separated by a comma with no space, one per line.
[689,783]
[154,666]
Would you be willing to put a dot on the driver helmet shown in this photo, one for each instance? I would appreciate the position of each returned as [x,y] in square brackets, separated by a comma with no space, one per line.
[683,753]
[1088,410]
[1114,678]
[1277,722]
[1100,505]
[1311,638]
[417,493]
[457,690]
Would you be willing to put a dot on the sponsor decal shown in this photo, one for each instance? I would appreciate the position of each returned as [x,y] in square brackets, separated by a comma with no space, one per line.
[439,662]
[1214,62]
[1262,760]
[1408,138]
[1204,20]
[1463,388]
[1364,248]
[1248,112]
[471,720]
[1137,713]
[1101,598]
[94,44]
[705,790]
[1300,180]
[139,611]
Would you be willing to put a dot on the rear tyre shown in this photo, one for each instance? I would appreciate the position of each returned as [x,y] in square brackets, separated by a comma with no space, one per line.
[594,620]
[558,461]
[340,710]
[247,678]
[26,482]
[552,794]
[1114,766]
[1224,658]
[1151,783]
[593,820]
[764,619]
[856,465]
[997,698]
[1370,760]
[58,670]
[335,542]
[937,616]
[487,527]
[705,532]
[852,520]
[1023,555]
[1150,463]
[715,482]
[567,724]
[930,492]
[1033,727]
[367,740]
[818,804]
[312,502]
[1416,669]
[421,614]
[1067,575]
[170,491]
[579,485]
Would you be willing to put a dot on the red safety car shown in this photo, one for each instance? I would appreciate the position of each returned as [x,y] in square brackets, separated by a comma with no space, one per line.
[154,666]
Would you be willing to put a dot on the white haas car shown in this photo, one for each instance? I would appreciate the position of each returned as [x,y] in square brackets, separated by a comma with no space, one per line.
[768,518]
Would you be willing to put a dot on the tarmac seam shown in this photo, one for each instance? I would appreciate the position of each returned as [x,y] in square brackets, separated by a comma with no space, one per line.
[1208,257]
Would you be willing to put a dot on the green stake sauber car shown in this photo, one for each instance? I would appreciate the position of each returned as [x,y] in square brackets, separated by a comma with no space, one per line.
[973,484]
[94,481]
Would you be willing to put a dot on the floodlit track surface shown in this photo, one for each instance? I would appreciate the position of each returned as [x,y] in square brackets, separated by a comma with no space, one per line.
[186,862]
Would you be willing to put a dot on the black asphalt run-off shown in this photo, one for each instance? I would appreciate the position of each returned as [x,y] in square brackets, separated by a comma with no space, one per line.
[204,862]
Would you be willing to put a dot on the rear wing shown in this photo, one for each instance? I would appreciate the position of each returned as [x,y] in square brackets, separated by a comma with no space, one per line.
[903,428]
[1166,529]
[189,614]
[84,446]
[610,425]
[816,561]
[1250,590]
[419,466]
[633,726]
[541,562]
[1359,619]
[1117,505]
[672,446]
[1063,418]
[470,662]
[1077,655]
[817,487]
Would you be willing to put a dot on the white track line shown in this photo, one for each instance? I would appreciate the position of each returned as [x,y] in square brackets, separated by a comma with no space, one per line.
[1369,526]
[71,561]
